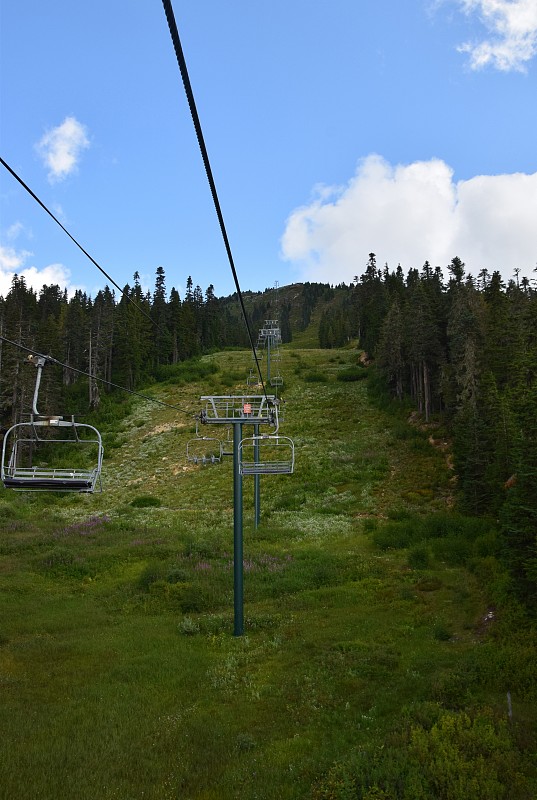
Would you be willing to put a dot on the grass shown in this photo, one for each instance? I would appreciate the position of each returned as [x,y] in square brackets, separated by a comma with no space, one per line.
[376,620]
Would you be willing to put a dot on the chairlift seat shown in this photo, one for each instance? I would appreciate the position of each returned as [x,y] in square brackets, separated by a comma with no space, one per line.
[204,450]
[275,456]
[23,438]
[50,480]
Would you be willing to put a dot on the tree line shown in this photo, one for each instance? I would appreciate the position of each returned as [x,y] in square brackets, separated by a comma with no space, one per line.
[123,340]
[463,351]
[126,339]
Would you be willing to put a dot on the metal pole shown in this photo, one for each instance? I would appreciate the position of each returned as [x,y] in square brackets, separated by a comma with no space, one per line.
[238,595]
[257,495]
[39,363]
[268,359]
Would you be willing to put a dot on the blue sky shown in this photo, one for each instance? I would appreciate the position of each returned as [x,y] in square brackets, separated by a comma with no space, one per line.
[334,129]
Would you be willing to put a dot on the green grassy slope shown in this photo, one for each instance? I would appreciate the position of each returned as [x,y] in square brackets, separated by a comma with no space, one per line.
[375,663]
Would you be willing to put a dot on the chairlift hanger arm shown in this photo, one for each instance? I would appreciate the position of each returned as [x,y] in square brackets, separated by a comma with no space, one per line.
[94,377]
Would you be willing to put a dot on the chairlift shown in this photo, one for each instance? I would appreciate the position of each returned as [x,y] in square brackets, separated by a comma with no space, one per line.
[204,449]
[252,380]
[248,409]
[26,445]
[269,454]
[276,380]
[228,442]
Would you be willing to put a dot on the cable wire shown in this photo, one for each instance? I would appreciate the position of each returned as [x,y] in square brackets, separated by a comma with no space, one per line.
[93,377]
[57,221]
[172,25]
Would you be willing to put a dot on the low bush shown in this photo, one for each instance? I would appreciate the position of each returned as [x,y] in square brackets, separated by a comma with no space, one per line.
[458,757]
[146,501]
[352,374]
[418,557]
[315,377]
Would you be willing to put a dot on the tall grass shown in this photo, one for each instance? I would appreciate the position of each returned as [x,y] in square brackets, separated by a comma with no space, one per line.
[380,638]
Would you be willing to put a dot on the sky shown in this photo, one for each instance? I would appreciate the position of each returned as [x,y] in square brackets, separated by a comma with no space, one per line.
[334,128]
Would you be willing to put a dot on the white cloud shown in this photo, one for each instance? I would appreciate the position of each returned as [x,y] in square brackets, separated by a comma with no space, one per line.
[12,262]
[412,213]
[61,148]
[11,259]
[14,231]
[513,28]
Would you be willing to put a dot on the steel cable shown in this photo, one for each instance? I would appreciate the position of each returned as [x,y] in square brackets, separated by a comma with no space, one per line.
[172,25]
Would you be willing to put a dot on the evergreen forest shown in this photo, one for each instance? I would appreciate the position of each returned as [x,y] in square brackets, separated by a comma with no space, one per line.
[462,350]
[390,586]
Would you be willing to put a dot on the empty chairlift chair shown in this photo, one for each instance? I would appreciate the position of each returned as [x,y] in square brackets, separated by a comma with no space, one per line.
[28,447]
[204,449]
[50,453]
[269,454]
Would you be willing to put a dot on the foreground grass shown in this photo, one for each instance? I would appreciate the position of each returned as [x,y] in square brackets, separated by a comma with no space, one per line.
[379,647]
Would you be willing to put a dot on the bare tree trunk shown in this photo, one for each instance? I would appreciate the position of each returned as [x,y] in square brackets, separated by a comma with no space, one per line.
[94,398]
[426,391]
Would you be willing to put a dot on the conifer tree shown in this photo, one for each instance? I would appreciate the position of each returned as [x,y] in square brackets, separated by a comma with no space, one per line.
[175,322]
[20,325]
[162,339]
[390,350]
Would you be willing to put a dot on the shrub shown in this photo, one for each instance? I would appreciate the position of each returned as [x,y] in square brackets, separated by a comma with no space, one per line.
[441,633]
[176,575]
[153,572]
[352,374]
[146,501]
[315,377]
[188,627]
[193,599]
[397,534]
[418,557]
[456,758]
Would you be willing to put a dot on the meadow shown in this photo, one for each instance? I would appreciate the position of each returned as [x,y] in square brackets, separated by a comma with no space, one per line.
[384,657]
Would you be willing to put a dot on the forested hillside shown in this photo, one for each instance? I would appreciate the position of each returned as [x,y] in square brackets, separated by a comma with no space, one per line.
[390,644]
[128,338]
[462,351]
[382,642]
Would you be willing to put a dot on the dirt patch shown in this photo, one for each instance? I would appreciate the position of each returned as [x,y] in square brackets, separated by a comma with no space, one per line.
[165,427]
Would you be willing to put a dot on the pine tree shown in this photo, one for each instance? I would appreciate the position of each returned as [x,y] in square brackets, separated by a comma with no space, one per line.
[162,340]
[390,350]
[133,343]
[175,322]
[370,305]
[20,325]
[210,337]
[423,346]
[519,516]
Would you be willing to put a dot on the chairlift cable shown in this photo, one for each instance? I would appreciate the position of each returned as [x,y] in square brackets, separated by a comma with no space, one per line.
[172,25]
[94,377]
[49,212]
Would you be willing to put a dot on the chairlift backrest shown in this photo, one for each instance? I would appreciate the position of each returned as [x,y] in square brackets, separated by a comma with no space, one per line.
[23,470]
